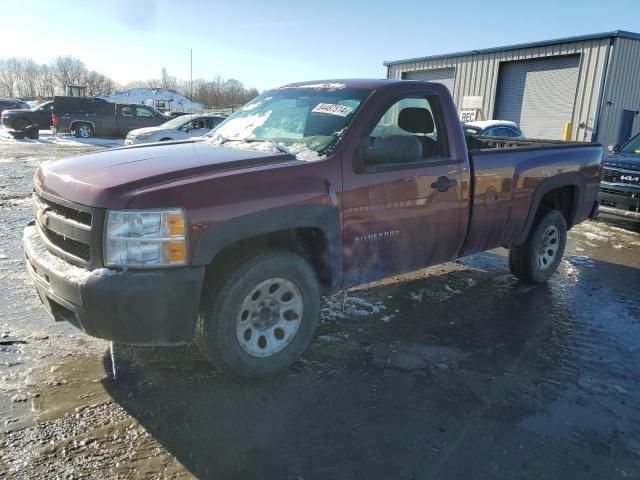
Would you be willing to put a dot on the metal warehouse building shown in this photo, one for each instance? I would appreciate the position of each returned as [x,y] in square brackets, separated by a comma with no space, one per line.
[583,88]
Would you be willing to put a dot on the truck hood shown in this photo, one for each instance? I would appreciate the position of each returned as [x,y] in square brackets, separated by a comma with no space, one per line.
[629,161]
[14,111]
[113,178]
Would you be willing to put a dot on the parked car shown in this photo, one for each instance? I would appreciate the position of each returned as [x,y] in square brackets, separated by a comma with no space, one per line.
[231,239]
[619,193]
[21,118]
[179,128]
[89,116]
[12,104]
[494,128]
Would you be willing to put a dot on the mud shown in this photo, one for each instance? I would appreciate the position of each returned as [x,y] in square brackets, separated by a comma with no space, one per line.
[457,371]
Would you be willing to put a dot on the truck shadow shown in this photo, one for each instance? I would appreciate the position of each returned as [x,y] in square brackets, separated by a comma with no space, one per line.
[375,399]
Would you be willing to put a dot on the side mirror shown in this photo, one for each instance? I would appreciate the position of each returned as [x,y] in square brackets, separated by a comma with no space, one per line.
[613,148]
[391,149]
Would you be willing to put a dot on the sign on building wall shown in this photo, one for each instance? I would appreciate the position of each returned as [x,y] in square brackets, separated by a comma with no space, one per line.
[472,102]
[471,105]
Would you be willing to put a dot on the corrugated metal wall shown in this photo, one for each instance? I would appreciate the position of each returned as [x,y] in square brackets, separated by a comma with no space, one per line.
[477,74]
[622,91]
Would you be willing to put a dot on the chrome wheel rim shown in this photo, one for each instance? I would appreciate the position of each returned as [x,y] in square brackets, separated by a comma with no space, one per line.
[269,317]
[548,249]
[85,132]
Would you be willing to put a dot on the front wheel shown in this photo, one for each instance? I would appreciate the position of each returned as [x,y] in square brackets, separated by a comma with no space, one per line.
[538,258]
[263,317]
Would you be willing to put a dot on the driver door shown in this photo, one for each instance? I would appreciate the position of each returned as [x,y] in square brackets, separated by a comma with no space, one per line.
[402,215]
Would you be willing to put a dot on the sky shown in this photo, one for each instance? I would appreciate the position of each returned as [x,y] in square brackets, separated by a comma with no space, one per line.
[268,43]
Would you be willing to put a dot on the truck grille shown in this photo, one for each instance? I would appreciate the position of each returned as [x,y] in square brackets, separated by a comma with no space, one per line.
[73,247]
[70,213]
[621,176]
[66,230]
[611,191]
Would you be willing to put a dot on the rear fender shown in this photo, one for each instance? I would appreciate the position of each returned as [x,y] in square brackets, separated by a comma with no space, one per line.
[568,179]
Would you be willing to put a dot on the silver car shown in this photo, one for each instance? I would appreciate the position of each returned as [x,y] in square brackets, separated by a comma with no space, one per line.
[179,128]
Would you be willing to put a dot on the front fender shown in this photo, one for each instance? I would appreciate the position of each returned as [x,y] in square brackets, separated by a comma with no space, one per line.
[324,217]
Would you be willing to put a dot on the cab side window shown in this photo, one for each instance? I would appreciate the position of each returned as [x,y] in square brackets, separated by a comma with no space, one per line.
[144,112]
[417,120]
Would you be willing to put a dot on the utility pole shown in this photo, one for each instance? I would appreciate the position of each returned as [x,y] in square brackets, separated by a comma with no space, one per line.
[191,79]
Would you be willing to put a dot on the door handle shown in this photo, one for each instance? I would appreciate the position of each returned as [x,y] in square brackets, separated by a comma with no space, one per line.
[444,183]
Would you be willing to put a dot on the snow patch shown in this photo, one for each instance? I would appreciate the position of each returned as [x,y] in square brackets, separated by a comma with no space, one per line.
[105,272]
[594,236]
[240,127]
[321,86]
[304,153]
[336,308]
[36,248]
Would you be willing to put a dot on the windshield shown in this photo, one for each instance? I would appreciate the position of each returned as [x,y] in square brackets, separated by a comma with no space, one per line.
[633,146]
[307,121]
[178,121]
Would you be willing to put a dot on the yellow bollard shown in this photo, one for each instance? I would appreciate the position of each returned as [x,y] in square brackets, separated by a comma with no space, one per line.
[567,132]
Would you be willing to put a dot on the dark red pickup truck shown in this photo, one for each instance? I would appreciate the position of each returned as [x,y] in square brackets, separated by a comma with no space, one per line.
[308,189]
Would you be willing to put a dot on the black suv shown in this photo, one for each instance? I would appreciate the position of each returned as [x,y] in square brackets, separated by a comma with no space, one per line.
[21,118]
[620,187]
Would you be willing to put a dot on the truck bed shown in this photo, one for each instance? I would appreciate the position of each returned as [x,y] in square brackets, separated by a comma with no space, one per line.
[479,143]
[506,173]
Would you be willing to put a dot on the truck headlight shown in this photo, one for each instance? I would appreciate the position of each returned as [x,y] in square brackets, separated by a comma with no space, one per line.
[145,238]
[143,136]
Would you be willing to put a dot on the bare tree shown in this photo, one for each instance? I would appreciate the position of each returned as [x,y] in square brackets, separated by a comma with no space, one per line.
[8,78]
[68,71]
[27,72]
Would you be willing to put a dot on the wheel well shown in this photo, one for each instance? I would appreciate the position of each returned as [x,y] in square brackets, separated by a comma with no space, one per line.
[21,118]
[75,123]
[563,199]
[309,242]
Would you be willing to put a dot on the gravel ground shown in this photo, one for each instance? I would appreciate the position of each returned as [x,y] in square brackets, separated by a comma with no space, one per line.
[456,371]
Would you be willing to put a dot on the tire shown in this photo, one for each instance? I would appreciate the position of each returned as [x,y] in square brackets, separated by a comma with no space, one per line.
[83,130]
[538,258]
[20,124]
[263,316]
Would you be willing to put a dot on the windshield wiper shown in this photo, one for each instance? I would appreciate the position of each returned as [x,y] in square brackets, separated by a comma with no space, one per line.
[221,140]
[281,148]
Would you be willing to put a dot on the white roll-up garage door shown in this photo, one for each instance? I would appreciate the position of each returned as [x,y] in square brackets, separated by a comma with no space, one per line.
[538,94]
[445,76]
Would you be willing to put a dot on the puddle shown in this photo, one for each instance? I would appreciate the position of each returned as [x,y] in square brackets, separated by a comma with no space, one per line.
[76,383]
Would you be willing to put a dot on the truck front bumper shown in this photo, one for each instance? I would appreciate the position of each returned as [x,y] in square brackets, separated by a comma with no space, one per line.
[619,201]
[136,307]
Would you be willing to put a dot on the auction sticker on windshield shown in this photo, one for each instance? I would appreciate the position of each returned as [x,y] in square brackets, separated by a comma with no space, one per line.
[333,109]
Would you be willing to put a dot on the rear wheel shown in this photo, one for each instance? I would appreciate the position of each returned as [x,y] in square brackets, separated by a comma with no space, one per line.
[20,124]
[538,258]
[263,316]
[84,130]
